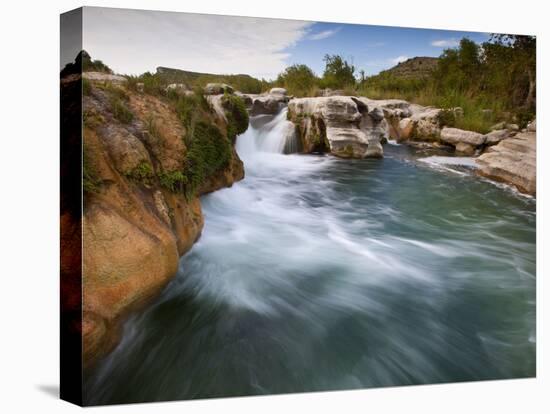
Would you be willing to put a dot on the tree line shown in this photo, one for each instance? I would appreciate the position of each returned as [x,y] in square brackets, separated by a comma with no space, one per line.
[496,78]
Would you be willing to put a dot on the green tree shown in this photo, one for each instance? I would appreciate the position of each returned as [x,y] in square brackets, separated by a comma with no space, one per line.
[298,79]
[515,54]
[338,72]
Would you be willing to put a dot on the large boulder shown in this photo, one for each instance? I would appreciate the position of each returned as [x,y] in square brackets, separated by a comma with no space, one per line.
[344,126]
[278,91]
[513,161]
[455,136]
[415,123]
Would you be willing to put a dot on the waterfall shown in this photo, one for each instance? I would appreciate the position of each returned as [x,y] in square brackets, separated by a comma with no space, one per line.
[268,134]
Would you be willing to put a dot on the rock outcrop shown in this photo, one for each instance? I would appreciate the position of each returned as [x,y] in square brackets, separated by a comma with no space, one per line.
[512,161]
[104,77]
[347,127]
[269,103]
[141,207]
[465,142]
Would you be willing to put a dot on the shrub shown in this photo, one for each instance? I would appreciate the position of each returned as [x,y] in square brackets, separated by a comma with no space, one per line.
[447,118]
[86,87]
[89,65]
[142,173]
[299,80]
[173,180]
[237,116]
[208,152]
[152,84]
[120,110]
[90,178]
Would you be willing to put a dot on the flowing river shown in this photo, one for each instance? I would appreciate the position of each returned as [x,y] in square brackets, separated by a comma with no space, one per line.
[316,273]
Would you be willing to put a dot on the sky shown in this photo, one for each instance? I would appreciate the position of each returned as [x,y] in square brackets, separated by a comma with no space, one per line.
[136,41]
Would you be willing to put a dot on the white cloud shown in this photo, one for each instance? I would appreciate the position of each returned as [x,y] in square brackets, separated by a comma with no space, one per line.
[398,59]
[323,35]
[445,43]
[136,41]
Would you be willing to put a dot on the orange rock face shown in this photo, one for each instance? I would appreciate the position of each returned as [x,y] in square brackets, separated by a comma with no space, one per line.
[133,228]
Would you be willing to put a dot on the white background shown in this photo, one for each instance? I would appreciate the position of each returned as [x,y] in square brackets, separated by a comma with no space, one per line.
[29,159]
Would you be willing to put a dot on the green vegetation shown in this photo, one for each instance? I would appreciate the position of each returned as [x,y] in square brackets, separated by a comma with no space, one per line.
[237,116]
[121,111]
[173,180]
[208,152]
[338,73]
[89,65]
[142,173]
[86,87]
[90,178]
[191,108]
[491,82]
[243,83]
[92,119]
[298,80]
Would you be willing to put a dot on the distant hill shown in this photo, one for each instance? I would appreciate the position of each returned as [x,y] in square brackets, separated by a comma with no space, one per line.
[414,68]
[241,82]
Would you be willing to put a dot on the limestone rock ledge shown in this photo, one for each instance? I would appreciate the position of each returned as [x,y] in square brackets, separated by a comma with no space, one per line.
[512,161]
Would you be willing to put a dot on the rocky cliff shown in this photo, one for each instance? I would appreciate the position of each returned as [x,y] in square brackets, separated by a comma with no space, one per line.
[147,159]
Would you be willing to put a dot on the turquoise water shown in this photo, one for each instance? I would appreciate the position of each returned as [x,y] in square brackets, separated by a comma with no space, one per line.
[315,273]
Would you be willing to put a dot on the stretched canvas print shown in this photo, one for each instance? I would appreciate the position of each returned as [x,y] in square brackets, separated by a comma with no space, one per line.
[256,206]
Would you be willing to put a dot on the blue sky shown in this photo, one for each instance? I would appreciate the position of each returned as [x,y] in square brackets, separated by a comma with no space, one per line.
[372,48]
[136,41]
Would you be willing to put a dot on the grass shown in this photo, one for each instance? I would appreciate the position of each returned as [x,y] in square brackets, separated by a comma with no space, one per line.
[142,173]
[91,181]
[173,180]
[86,87]
[120,111]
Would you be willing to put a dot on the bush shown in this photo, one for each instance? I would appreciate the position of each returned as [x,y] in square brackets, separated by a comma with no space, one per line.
[208,152]
[89,65]
[120,110]
[173,180]
[299,80]
[143,173]
[86,87]
[152,84]
[90,178]
[237,116]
